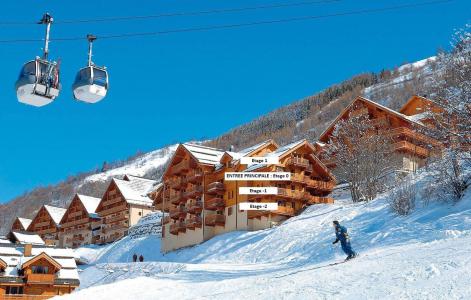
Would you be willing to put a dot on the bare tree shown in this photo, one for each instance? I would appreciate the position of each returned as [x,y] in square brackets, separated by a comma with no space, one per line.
[403,197]
[363,156]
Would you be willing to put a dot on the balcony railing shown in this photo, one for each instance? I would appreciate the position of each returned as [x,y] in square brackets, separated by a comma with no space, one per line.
[40,278]
[214,203]
[113,210]
[287,193]
[284,210]
[193,191]
[317,200]
[216,188]
[257,213]
[194,176]
[166,219]
[298,162]
[26,297]
[414,135]
[215,220]
[320,185]
[181,167]
[193,222]
[177,227]
[195,207]
[178,213]
[411,148]
[176,198]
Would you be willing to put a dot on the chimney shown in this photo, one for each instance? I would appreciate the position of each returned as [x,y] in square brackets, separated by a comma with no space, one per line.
[28,250]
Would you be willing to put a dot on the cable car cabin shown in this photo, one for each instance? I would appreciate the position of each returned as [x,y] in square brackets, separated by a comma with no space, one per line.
[38,83]
[91,84]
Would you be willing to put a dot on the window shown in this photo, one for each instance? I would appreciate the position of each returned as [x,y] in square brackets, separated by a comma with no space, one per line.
[14,290]
[140,213]
[39,269]
[229,211]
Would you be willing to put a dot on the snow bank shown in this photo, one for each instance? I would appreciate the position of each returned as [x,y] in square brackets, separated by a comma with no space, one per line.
[422,256]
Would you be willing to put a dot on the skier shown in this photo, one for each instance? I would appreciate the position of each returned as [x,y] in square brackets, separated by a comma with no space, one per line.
[141,258]
[134,257]
[342,236]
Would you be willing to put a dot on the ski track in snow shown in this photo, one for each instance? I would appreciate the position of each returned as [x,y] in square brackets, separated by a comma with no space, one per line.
[426,255]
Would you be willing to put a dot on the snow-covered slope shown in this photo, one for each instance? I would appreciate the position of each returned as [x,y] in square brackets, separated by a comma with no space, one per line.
[425,255]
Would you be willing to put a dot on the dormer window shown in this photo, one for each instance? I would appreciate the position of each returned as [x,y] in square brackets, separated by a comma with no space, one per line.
[40,269]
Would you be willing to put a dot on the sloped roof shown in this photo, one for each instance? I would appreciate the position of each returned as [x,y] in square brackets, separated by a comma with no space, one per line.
[90,203]
[387,109]
[277,153]
[56,213]
[135,191]
[24,222]
[203,154]
[27,238]
[251,149]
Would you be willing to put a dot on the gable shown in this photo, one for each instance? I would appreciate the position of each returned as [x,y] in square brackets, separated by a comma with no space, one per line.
[181,153]
[3,264]
[112,192]
[41,216]
[41,259]
[74,206]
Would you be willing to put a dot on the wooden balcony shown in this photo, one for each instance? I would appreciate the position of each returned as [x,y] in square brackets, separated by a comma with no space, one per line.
[178,213]
[111,201]
[379,122]
[292,194]
[359,112]
[329,162]
[404,131]
[297,162]
[410,148]
[284,210]
[166,220]
[40,279]
[215,220]
[26,297]
[216,188]
[75,223]
[175,183]
[114,209]
[42,224]
[318,200]
[251,214]
[176,198]
[296,177]
[195,207]
[120,217]
[193,191]
[177,227]
[194,176]
[194,222]
[181,167]
[214,203]
[320,185]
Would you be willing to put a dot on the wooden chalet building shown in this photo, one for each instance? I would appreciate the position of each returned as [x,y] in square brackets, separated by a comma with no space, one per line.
[201,204]
[46,223]
[124,202]
[20,224]
[36,272]
[80,224]
[409,143]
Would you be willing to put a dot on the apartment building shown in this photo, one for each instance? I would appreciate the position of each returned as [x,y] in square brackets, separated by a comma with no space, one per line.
[411,146]
[46,223]
[124,202]
[20,224]
[36,272]
[80,225]
[202,204]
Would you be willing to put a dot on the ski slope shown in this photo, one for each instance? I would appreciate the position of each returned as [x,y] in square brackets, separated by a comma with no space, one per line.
[425,255]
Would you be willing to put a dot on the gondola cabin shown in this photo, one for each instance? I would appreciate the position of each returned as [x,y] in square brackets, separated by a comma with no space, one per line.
[38,83]
[91,84]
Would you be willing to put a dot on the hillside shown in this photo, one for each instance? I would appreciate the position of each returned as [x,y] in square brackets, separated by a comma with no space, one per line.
[306,118]
[422,256]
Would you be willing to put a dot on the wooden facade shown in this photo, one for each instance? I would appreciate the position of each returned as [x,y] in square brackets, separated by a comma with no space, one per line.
[122,205]
[80,225]
[201,204]
[411,145]
[46,223]
[33,274]
[20,224]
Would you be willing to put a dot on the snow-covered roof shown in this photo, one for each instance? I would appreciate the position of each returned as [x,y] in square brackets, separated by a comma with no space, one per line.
[90,203]
[4,240]
[53,252]
[5,250]
[24,222]
[203,154]
[56,213]
[27,238]
[277,153]
[135,191]
[250,149]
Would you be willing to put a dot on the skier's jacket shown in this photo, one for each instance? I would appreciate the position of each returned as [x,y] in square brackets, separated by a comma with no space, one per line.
[341,234]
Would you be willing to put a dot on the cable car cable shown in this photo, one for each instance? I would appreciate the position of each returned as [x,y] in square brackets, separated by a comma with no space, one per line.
[178,14]
[238,25]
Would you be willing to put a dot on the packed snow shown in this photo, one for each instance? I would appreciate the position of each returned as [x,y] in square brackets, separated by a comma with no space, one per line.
[425,255]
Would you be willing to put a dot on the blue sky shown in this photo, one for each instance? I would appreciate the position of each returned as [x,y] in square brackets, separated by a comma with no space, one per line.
[178,87]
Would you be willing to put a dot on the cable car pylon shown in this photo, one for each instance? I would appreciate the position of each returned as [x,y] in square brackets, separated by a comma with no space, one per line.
[38,83]
[91,82]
